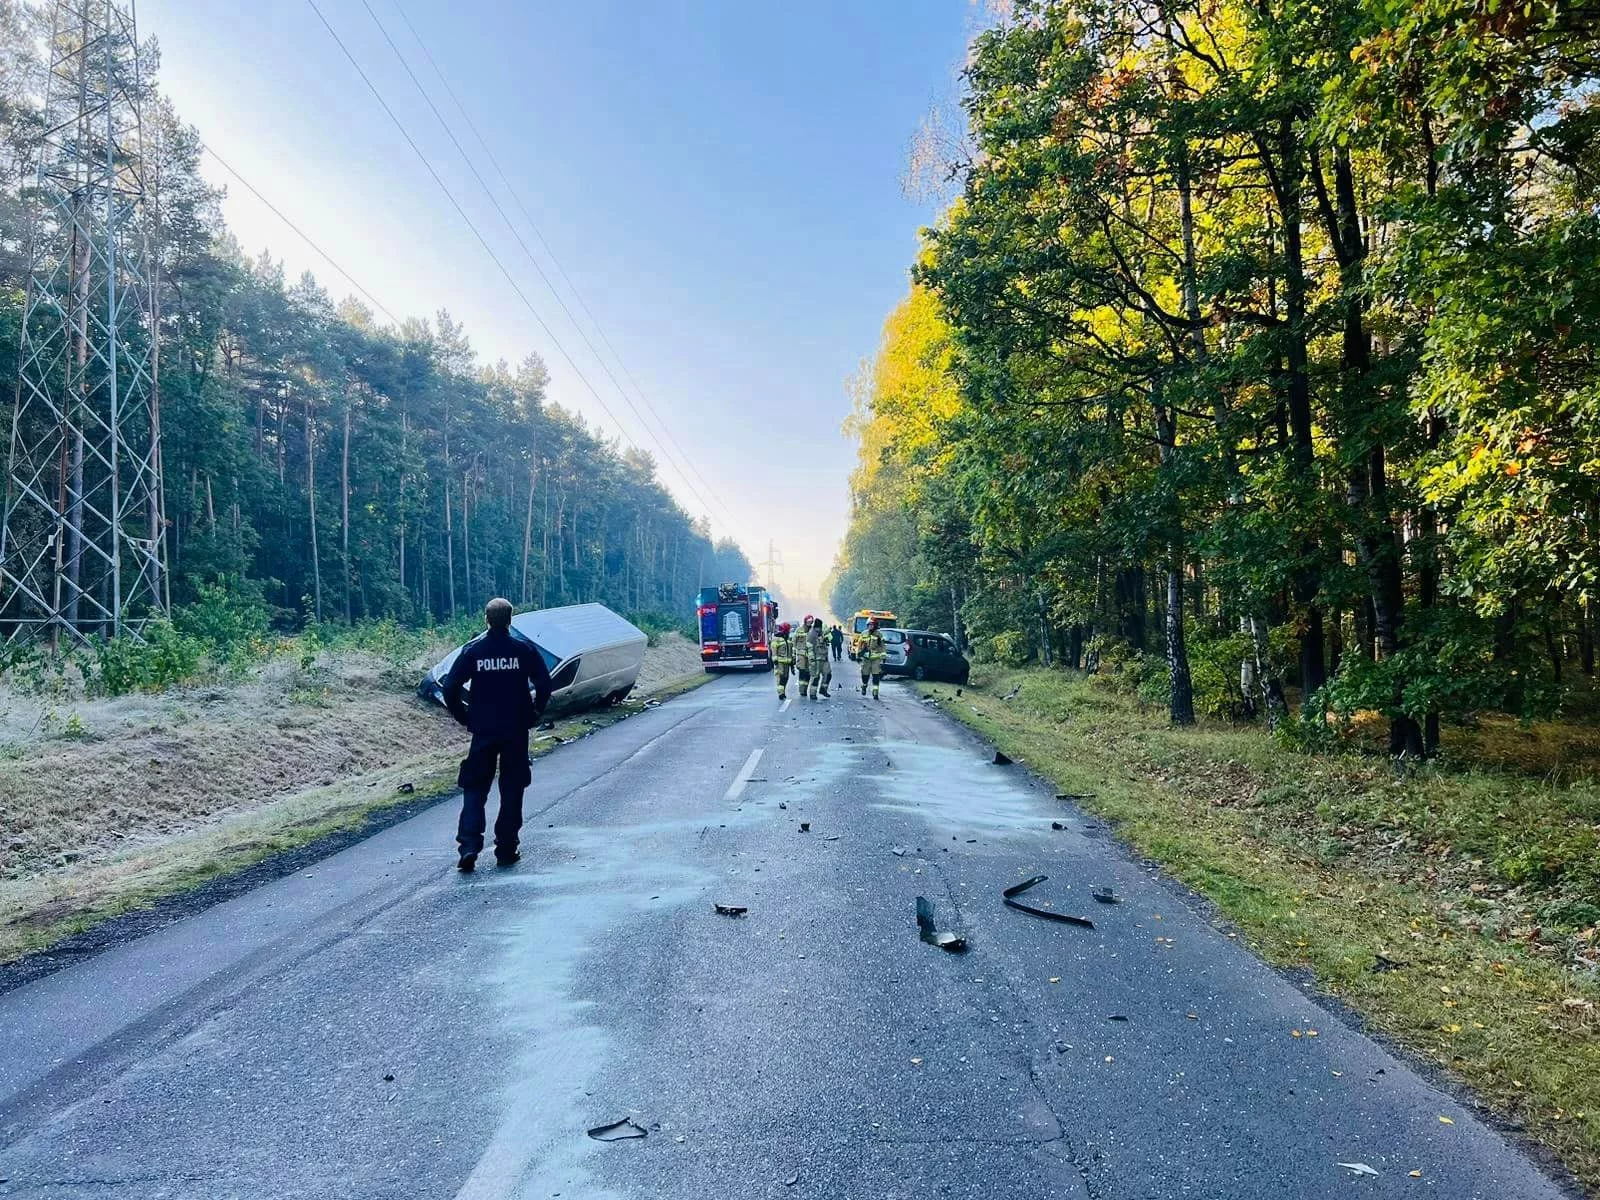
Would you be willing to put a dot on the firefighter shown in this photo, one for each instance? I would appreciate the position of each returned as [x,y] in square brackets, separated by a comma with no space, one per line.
[783,658]
[872,655]
[499,665]
[802,654]
[821,668]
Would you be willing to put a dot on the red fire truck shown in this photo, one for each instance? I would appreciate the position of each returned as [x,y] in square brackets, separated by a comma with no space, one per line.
[736,620]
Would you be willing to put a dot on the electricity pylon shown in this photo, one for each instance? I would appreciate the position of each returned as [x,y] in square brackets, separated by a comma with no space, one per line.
[773,564]
[82,550]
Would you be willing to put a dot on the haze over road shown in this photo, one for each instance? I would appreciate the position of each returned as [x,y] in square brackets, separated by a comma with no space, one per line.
[379,1026]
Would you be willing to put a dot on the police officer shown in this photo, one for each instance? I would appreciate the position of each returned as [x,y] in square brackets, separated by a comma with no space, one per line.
[872,655]
[836,636]
[802,655]
[783,658]
[499,664]
[821,667]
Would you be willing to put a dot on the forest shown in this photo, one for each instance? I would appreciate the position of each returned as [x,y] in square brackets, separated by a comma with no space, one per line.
[321,465]
[1254,361]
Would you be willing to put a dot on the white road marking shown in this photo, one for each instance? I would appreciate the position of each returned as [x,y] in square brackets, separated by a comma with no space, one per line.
[784,707]
[736,788]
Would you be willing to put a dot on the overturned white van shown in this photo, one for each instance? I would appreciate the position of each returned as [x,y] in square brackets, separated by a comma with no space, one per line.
[594,655]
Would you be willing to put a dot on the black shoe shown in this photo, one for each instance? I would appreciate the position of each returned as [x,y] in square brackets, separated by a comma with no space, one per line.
[467,864]
[507,858]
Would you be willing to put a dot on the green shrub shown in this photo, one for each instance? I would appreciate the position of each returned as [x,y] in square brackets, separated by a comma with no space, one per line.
[1011,649]
[229,618]
[163,657]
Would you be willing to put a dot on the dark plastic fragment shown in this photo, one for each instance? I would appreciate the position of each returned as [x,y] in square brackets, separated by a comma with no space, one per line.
[1002,759]
[731,910]
[1106,896]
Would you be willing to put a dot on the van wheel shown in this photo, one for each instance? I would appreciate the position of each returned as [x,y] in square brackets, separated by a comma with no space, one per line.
[920,673]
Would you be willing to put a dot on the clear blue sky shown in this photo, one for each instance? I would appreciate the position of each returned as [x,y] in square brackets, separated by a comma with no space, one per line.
[721,181]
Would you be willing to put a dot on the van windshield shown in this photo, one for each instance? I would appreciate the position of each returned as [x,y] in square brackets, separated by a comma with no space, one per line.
[861,624]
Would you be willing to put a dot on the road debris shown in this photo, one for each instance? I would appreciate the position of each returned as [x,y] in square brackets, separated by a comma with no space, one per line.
[1358,1168]
[1002,759]
[1382,963]
[1074,796]
[805,826]
[1106,895]
[898,851]
[1057,825]
[929,933]
[731,910]
[405,789]
[619,1131]
[1116,1017]
[1016,890]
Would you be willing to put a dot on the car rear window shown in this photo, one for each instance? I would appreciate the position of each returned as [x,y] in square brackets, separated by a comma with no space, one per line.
[893,635]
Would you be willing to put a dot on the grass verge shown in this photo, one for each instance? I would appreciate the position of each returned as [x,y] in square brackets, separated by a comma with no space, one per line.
[39,912]
[1451,907]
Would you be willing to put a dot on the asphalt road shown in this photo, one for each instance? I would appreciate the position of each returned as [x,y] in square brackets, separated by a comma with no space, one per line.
[378,1026]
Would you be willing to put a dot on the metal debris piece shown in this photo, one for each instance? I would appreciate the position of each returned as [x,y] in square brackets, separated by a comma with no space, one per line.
[619,1131]
[1106,896]
[731,910]
[1016,890]
[1072,796]
[805,826]
[898,851]
[1116,1017]
[781,804]
[1002,759]
[926,930]
[832,837]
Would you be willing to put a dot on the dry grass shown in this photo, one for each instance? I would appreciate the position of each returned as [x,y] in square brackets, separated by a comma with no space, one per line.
[1479,877]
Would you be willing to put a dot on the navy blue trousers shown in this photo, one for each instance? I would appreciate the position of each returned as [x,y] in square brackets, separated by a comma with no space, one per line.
[510,755]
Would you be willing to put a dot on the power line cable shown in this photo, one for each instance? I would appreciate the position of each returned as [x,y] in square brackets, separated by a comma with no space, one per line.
[302,234]
[476,232]
[488,192]
[550,253]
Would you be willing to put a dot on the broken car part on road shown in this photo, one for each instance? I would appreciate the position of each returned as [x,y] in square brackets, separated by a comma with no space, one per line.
[619,1131]
[1016,890]
[926,930]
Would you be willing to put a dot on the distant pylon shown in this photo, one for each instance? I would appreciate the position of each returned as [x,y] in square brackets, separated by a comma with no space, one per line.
[772,564]
[82,549]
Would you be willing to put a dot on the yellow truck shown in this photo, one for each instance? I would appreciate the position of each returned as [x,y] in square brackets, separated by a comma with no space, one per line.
[858,626]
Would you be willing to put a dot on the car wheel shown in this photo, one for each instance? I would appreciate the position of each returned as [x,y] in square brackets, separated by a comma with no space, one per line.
[920,673]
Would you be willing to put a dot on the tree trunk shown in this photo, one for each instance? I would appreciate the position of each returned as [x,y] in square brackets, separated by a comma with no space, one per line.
[1181,706]
[449,547]
[344,516]
[527,532]
[1307,583]
[311,505]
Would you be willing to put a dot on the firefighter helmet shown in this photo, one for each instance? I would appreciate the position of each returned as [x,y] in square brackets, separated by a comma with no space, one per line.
[872,625]
[783,629]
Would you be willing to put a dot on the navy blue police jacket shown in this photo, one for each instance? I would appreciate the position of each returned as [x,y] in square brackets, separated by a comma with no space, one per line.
[499,665]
